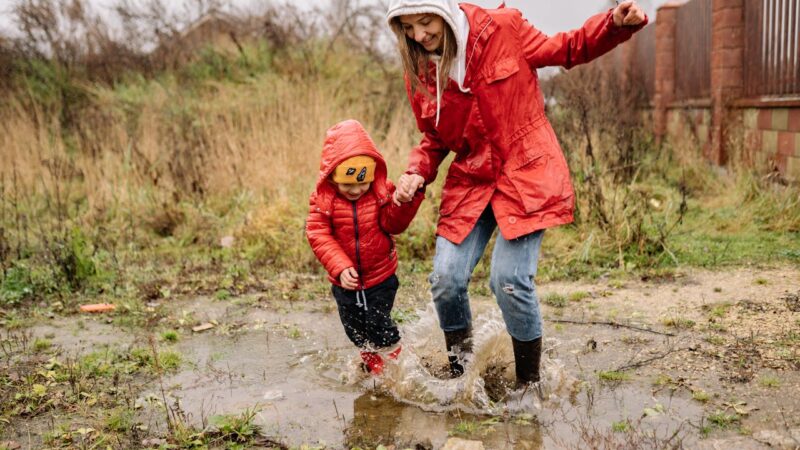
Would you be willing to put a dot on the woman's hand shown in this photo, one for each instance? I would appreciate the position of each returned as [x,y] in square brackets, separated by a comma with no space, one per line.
[349,278]
[628,13]
[407,186]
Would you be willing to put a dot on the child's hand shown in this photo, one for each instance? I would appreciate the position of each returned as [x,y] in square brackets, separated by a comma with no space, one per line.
[407,186]
[349,278]
[628,13]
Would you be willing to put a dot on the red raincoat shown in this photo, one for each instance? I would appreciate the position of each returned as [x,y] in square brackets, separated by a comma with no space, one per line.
[506,151]
[343,233]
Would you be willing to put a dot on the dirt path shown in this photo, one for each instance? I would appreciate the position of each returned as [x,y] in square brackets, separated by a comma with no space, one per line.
[719,368]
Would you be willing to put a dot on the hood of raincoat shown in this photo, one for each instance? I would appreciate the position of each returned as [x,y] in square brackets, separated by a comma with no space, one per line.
[342,141]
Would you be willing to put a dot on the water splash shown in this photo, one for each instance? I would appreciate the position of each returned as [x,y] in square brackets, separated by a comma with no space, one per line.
[418,378]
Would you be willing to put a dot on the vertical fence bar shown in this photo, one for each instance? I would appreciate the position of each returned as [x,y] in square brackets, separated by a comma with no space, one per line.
[796,64]
[693,50]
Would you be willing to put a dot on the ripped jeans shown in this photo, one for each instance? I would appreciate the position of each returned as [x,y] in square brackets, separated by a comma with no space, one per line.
[514,265]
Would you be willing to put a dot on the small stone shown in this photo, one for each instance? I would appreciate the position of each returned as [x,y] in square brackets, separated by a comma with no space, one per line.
[227,242]
[272,396]
[154,442]
[462,444]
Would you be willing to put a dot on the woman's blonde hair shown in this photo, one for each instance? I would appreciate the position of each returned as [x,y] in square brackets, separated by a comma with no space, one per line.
[415,58]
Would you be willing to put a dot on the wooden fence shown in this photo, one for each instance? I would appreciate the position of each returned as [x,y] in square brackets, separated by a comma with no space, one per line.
[772,47]
[693,50]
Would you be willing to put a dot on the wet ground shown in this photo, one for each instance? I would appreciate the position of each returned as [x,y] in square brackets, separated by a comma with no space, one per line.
[706,360]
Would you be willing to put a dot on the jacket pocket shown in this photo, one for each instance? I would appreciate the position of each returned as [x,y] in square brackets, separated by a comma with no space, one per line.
[452,196]
[500,70]
[538,180]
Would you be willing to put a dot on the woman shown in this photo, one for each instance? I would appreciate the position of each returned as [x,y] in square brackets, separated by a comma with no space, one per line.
[472,84]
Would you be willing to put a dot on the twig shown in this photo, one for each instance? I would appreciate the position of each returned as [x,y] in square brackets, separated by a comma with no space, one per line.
[612,324]
[641,363]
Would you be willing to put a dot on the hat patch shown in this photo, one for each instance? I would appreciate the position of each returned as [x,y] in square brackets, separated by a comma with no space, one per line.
[361,175]
[351,171]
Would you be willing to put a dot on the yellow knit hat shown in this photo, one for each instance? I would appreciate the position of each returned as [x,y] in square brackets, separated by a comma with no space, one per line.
[358,169]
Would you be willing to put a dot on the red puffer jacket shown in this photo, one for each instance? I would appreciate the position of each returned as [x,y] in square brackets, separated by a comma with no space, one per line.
[506,151]
[343,233]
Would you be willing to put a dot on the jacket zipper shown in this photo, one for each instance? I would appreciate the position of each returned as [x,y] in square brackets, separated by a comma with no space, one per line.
[358,255]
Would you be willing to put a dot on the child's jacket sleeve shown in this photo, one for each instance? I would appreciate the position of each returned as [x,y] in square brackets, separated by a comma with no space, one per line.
[395,219]
[597,36]
[319,232]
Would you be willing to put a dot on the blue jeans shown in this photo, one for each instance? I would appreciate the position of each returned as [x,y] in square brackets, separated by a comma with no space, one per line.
[514,265]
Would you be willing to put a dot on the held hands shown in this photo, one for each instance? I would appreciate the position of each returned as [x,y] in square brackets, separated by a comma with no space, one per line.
[407,186]
[628,13]
[349,278]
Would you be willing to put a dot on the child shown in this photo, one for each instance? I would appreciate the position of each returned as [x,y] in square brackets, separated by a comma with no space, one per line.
[352,215]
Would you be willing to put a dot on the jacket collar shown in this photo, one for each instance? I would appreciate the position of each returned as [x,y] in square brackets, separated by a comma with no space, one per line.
[481,28]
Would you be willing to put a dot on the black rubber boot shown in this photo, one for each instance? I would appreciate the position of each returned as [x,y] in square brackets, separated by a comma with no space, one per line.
[527,357]
[458,343]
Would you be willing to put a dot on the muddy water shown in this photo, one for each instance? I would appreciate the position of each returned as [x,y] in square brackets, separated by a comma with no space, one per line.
[292,363]
[298,369]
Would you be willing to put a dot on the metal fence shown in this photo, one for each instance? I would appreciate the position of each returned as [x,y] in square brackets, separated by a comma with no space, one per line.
[644,66]
[693,50]
[772,47]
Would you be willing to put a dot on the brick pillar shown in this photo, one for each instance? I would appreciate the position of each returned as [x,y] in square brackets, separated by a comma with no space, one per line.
[727,70]
[665,66]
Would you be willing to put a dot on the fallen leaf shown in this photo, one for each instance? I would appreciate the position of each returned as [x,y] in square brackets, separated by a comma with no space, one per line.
[98,308]
[203,327]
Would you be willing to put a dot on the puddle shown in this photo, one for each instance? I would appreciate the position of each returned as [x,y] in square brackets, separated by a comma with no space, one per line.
[292,362]
[309,389]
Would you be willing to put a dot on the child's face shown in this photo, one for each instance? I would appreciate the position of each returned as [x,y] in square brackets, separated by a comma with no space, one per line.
[353,191]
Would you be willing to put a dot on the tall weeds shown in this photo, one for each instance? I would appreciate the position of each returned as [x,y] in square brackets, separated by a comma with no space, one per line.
[116,142]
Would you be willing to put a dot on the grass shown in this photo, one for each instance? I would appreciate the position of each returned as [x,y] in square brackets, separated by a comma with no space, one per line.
[473,427]
[613,376]
[623,426]
[701,396]
[769,381]
[555,300]
[723,420]
[680,323]
[578,296]
[718,310]
[42,345]
[169,336]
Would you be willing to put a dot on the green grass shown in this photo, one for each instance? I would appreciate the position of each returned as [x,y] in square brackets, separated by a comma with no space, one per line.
[555,300]
[578,296]
[680,323]
[723,420]
[169,336]
[622,426]
[41,345]
[769,381]
[612,376]
[715,340]
[404,315]
[701,396]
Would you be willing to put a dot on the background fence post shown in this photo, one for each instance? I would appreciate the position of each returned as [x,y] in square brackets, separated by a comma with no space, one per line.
[727,72]
[665,67]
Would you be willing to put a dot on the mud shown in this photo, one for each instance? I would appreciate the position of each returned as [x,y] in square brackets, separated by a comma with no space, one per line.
[717,333]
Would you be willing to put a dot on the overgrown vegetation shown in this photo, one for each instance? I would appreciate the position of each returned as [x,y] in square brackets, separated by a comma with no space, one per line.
[140,166]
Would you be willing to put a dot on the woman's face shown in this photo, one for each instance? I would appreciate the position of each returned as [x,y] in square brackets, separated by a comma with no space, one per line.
[425,29]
